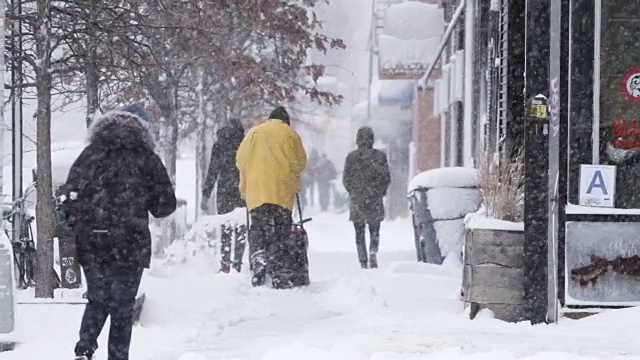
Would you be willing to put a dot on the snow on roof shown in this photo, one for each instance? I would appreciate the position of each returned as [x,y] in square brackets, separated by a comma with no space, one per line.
[401,54]
[450,177]
[414,20]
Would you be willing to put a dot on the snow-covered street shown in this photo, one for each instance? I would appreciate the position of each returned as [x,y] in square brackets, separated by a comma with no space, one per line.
[404,310]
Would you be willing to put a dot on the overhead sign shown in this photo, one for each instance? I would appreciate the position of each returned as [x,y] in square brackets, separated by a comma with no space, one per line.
[631,85]
[597,185]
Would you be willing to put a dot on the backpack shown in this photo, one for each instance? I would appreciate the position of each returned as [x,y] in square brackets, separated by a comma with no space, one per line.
[109,189]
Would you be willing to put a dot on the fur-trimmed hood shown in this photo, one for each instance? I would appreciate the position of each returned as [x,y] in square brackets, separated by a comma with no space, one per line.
[120,130]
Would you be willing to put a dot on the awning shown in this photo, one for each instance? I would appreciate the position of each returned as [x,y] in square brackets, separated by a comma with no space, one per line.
[396,92]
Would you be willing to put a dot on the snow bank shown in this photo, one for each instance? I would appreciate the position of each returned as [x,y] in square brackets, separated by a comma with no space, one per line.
[479,221]
[451,177]
[414,20]
[346,295]
[219,300]
[200,244]
[192,356]
[300,351]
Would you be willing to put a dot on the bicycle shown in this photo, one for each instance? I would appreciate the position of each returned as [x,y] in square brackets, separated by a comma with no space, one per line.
[24,248]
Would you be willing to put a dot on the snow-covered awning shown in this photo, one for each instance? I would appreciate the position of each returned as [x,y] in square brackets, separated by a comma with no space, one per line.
[414,20]
[396,92]
[397,55]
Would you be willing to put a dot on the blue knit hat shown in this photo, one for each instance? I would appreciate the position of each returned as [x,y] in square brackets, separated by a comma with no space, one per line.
[140,113]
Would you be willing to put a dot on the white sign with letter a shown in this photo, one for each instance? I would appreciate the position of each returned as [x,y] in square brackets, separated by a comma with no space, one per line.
[597,185]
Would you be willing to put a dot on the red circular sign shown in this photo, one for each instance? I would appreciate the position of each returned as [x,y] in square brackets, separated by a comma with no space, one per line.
[631,85]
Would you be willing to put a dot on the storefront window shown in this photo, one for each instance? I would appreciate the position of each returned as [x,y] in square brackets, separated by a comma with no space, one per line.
[620,97]
[608,134]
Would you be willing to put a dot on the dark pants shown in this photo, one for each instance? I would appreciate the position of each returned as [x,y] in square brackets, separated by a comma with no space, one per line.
[233,237]
[361,243]
[270,226]
[324,195]
[111,292]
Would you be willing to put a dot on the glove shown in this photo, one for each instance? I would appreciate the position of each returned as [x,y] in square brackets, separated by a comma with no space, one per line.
[204,204]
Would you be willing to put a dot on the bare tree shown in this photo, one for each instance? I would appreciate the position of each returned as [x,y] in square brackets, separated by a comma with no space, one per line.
[45,207]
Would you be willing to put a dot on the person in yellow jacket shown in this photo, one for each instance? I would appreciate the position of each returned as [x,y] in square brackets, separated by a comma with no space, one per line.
[271,159]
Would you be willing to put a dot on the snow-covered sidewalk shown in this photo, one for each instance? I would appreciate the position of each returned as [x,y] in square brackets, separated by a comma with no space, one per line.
[404,310]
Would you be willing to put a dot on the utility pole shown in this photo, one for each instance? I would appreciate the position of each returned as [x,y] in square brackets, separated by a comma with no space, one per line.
[16,117]
[3,22]
[536,180]
[372,49]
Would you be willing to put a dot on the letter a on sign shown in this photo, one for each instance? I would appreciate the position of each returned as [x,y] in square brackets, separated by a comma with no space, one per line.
[597,182]
[597,185]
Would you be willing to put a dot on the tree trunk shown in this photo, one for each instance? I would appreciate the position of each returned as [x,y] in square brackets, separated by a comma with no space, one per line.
[44,208]
[201,142]
[91,71]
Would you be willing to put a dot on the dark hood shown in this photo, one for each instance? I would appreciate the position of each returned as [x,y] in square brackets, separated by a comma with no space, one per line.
[365,138]
[281,114]
[230,136]
[120,130]
[236,124]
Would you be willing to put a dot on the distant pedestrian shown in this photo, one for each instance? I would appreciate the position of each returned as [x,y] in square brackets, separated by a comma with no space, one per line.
[366,178]
[326,173]
[223,170]
[311,177]
[112,187]
[271,160]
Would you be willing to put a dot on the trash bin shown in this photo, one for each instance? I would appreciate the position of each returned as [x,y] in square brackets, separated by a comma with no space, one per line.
[439,200]
[7,302]
[427,249]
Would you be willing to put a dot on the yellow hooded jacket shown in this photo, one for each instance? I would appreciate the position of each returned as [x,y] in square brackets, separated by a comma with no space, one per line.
[271,159]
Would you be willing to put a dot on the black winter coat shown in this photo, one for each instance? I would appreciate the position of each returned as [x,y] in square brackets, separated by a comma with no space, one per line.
[366,178]
[119,180]
[223,169]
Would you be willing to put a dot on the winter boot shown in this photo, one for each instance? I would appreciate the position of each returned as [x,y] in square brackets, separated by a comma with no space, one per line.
[237,266]
[259,278]
[373,261]
[224,268]
[364,265]
[83,352]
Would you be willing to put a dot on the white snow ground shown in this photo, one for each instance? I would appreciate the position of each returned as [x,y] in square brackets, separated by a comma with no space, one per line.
[404,310]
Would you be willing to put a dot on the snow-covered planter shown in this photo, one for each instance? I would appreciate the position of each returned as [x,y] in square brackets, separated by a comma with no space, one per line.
[493,276]
[440,199]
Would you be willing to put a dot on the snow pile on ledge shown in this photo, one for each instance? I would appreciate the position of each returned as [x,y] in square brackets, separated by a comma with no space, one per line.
[414,20]
[480,221]
[448,177]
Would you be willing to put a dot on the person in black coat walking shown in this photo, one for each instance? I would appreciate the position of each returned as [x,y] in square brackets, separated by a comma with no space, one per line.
[222,168]
[112,187]
[366,178]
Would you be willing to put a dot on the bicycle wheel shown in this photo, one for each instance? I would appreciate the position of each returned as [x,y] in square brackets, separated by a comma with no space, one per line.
[30,266]
[19,264]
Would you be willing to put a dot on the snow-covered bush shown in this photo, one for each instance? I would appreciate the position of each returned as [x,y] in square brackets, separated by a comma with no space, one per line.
[202,240]
[502,186]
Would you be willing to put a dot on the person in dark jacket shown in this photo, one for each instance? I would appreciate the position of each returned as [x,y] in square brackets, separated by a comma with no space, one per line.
[112,187]
[311,177]
[366,178]
[222,168]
